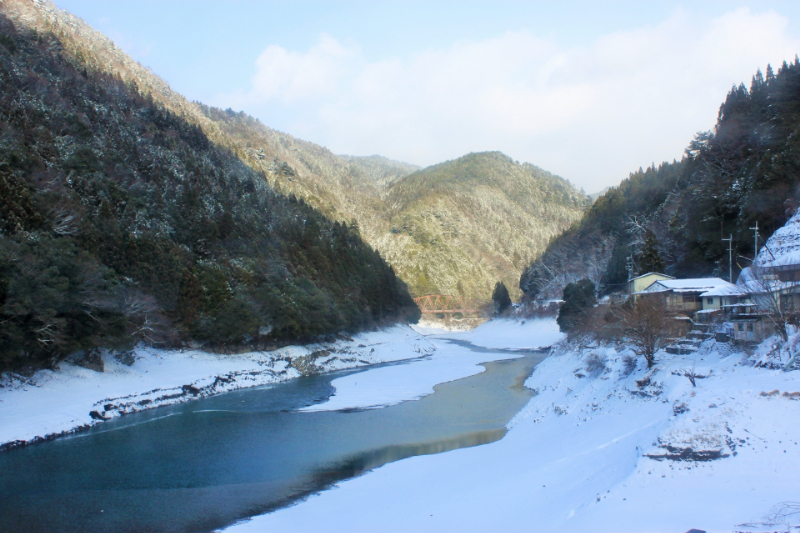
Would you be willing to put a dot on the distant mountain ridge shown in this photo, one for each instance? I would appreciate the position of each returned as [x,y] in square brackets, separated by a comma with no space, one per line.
[381,170]
[460,226]
[491,216]
[596,195]
[453,228]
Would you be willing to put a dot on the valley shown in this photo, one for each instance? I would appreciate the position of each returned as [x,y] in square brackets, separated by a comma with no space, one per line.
[208,323]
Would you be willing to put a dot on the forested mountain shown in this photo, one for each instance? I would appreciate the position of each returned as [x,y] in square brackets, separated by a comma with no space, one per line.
[453,228]
[340,187]
[673,218]
[460,226]
[124,216]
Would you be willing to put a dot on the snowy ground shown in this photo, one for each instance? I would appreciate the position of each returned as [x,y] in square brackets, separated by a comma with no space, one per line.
[512,334]
[431,324]
[55,402]
[602,447]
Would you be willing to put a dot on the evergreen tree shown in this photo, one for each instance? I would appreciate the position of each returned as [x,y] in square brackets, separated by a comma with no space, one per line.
[501,299]
[189,298]
[650,260]
[578,298]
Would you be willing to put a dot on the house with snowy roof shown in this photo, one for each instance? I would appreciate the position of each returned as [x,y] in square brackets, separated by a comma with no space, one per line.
[765,300]
[769,288]
[719,303]
[687,296]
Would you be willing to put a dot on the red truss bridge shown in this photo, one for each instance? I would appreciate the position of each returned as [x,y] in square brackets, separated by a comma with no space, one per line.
[444,303]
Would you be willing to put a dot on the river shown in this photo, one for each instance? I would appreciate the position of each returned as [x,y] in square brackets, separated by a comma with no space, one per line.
[203,465]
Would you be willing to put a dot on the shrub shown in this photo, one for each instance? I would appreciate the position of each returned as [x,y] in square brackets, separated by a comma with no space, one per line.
[628,365]
[646,324]
[500,298]
[579,297]
[595,364]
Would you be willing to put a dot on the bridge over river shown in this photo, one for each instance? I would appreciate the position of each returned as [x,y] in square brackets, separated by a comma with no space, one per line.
[448,304]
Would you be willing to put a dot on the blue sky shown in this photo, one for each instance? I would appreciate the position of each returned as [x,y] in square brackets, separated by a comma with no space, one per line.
[588,90]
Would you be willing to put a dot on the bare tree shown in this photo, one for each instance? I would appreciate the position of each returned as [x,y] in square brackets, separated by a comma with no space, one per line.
[646,323]
[636,227]
[765,291]
[145,320]
[65,221]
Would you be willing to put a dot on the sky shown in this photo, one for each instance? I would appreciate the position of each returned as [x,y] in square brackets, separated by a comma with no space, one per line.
[589,90]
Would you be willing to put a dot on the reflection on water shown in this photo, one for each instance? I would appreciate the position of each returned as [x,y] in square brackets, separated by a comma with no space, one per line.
[205,464]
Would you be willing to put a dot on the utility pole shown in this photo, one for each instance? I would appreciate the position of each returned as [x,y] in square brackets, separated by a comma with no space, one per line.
[755,250]
[730,257]
[629,266]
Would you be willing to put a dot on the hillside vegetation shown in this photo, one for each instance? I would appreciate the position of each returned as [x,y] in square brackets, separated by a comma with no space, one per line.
[345,189]
[379,169]
[453,228]
[673,217]
[460,226]
[121,220]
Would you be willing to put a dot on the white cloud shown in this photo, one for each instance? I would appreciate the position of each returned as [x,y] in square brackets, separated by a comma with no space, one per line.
[295,77]
[591,114]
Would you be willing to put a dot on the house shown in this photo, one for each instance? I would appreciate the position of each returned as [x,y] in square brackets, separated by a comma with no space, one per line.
[686,296]
[718,303]
[771,285]
[717,298]
[768,296]
[640,283]
[750,322]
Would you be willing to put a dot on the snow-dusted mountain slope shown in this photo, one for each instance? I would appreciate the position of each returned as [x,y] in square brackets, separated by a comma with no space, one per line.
[783,247]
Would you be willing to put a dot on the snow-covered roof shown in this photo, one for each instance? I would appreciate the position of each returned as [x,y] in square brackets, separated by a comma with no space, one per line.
[783,248]
[748,283]
[687,285]
[724,290]
[651,274]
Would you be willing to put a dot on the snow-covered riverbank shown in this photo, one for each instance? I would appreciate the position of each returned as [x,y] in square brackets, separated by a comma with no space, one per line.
[602,447]
[386,386]
[51,403]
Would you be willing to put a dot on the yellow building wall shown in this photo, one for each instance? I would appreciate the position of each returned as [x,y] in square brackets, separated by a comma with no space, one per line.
[640,284]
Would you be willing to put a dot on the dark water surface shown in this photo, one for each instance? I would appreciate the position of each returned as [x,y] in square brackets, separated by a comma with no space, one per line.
[205,464]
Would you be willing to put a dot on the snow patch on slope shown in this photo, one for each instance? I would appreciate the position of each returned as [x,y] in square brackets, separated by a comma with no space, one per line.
[783,247]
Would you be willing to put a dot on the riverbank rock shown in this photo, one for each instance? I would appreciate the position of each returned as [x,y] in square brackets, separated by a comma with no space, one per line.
[306,364]
[87,359]
[126,358]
